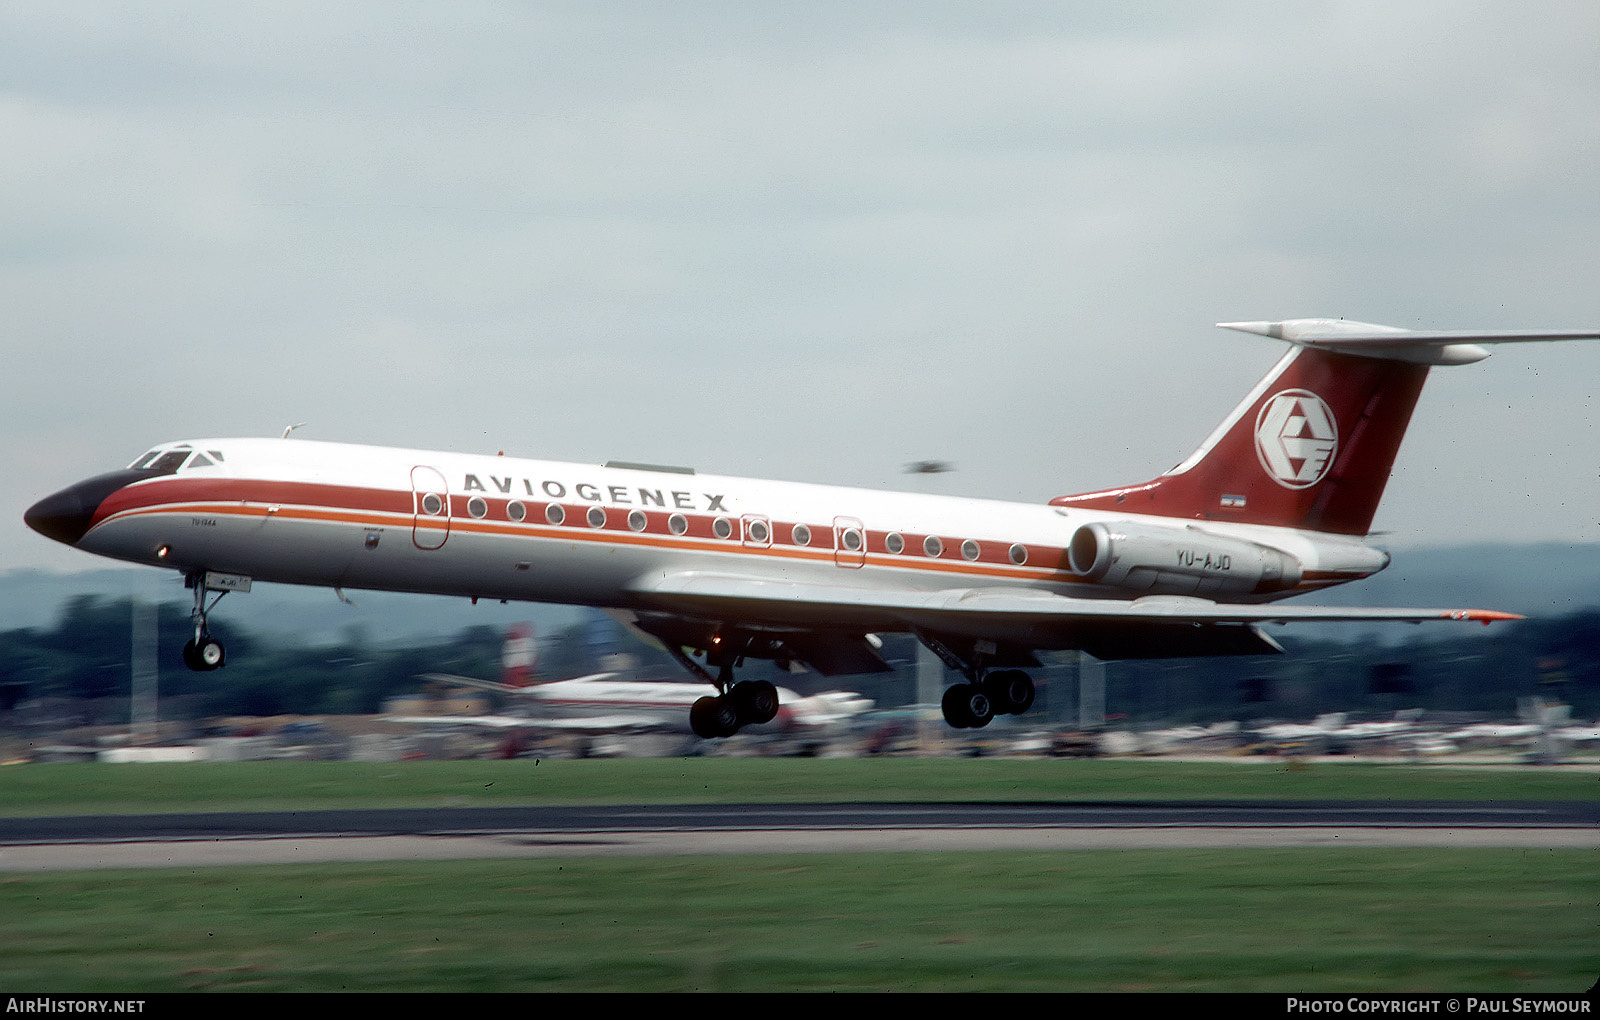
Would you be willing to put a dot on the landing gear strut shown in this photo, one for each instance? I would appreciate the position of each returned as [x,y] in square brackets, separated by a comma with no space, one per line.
[203,653]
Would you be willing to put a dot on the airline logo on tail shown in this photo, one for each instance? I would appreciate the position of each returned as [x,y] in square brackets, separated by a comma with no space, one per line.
[1296,438]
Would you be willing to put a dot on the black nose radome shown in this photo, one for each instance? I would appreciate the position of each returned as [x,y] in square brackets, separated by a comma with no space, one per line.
[66,516]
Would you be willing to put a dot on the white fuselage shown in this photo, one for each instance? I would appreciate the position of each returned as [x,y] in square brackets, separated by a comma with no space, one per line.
[507,528]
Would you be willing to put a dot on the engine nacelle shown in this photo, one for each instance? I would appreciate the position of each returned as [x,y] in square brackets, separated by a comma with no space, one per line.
[1151,559]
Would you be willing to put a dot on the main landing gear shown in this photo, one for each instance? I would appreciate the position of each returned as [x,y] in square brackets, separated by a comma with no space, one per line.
[974,704]
[987,693]
[203,653]
[745,703]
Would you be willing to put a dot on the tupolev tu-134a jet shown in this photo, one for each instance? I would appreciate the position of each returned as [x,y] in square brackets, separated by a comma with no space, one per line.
[1275,503]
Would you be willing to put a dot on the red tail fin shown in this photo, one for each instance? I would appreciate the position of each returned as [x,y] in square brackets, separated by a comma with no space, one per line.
[1313,443]
[517,656]
[1310,447]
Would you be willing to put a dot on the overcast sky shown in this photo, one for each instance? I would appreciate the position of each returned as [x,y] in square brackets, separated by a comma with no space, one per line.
[806,241]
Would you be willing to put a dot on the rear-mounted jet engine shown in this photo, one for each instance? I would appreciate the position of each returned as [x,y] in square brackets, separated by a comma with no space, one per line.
[1177,561]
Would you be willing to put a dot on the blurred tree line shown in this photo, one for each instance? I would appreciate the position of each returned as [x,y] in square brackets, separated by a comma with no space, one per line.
[87,654]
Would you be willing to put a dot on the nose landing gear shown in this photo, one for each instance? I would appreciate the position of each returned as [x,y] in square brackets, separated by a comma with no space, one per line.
[203,653]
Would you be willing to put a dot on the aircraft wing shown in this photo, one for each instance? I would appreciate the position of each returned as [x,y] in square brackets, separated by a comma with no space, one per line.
[452,680]
[700,589]
[620,722]
[1153,626]
[616,723]
[483,722]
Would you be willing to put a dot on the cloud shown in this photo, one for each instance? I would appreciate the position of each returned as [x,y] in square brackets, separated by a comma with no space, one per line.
[814,242]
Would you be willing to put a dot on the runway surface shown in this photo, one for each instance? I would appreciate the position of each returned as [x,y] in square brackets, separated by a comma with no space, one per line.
[196,840]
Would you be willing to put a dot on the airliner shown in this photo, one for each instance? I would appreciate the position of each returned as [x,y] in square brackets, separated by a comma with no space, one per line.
[620,700]
[609,703]
[1274,503]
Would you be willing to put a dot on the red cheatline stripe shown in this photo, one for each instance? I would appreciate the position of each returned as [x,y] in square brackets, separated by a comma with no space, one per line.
[352,505]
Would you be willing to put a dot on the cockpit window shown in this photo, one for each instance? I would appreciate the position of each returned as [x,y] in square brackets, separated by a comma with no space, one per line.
[170,461]
[166,461]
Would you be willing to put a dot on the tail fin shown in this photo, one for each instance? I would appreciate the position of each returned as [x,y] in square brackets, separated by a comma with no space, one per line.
[1313,444]
[518,656]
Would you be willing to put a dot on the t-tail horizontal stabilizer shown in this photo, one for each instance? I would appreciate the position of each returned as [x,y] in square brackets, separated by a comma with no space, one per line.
[1313,445]
[1391,343]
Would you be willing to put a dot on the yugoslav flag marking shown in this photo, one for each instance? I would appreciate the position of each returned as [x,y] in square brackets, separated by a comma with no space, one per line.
[1296,438]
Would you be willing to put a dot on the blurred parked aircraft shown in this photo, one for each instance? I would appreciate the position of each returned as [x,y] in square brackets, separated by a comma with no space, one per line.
[620,701]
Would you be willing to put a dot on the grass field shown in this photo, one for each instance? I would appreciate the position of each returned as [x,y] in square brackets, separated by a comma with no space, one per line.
[271,786]
[1291,920]
[1281,920]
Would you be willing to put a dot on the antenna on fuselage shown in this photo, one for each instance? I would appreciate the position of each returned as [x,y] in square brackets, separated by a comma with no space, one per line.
[291,428]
